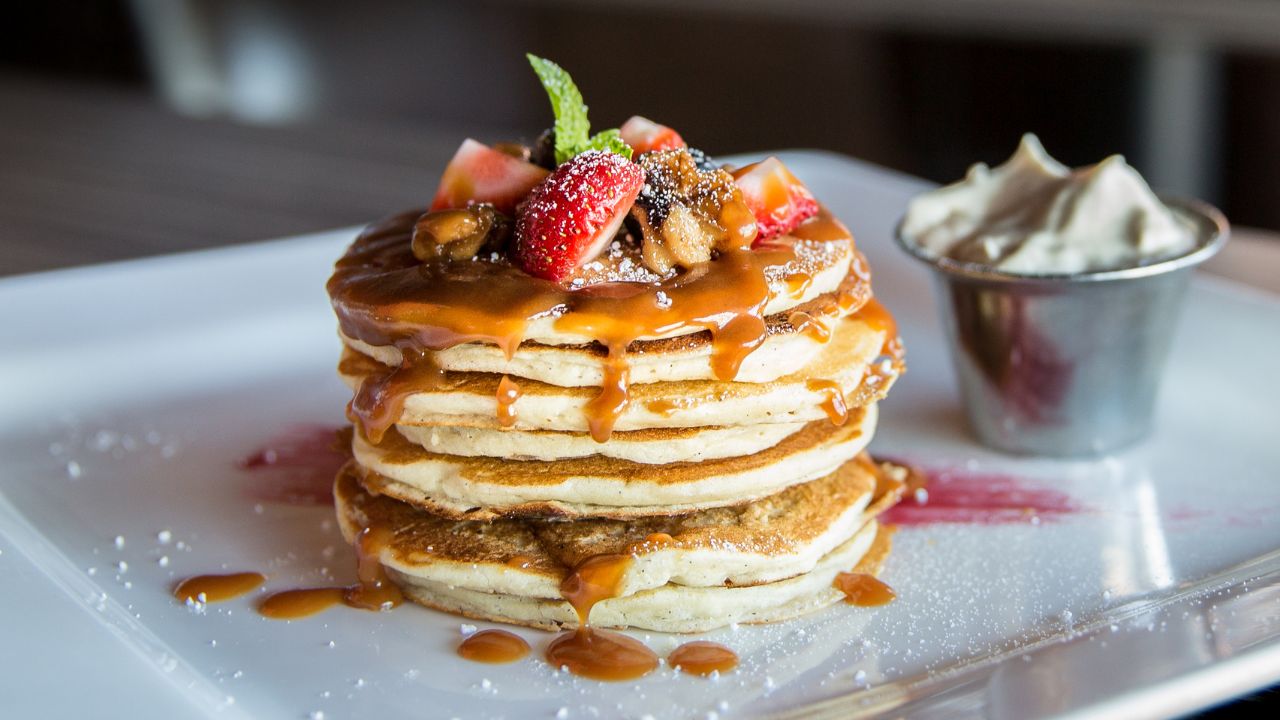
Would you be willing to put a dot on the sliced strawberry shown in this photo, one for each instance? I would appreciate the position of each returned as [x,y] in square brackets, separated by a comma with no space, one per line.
[478,173]
[571,217]
[779,201]
[645,135]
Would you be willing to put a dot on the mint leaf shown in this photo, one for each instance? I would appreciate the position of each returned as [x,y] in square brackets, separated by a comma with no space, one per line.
[566,103]
[608,141]
[572,126]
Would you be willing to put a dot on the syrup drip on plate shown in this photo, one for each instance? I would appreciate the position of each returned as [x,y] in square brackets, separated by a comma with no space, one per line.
[863,590]
[299,603]
[601,655]
[217,588]
[374,591]
[493,646]
[592,653]
[702,657]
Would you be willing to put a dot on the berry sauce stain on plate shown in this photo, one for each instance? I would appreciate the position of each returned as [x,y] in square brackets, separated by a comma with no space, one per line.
[297,467]
[976,498]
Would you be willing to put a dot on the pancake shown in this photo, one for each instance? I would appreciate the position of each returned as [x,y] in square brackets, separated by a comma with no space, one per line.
[794,337]
[785,549]
[655,446]
[852,355]
[673,608]
[485,487]
[379,288]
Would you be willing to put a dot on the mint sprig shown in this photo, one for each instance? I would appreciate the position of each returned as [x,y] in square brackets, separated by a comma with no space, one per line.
[572,129]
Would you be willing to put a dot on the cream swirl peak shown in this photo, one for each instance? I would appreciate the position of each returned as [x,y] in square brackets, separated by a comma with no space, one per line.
[1035,216]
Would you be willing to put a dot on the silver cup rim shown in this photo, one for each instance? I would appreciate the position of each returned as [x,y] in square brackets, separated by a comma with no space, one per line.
[1214,232]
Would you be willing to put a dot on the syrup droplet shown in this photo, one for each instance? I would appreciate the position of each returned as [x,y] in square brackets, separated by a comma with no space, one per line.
[217,588]
[508,393]
[493,646]
[863,590]
[299,603]
[601,655]
[701,657]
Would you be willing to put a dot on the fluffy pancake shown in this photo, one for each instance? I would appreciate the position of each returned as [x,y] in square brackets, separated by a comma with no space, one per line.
[852,354]
[787,548]
[483,487]
[654,446]
[673,608]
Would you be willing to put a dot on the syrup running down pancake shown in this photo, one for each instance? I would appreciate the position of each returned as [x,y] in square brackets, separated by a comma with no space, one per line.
[773,558]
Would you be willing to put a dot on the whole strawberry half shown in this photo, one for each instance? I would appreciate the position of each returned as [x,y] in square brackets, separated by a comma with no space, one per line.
[779,201]
[479,174]
[571,216]
[645,135]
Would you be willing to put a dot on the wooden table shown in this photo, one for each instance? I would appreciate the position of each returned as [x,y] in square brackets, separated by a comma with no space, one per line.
[91,175]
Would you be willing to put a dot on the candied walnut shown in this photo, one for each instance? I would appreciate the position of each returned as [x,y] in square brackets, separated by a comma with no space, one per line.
[460,233]
[686,212]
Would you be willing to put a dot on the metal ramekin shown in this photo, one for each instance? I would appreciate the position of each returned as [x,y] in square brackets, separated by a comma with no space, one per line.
[1065,365]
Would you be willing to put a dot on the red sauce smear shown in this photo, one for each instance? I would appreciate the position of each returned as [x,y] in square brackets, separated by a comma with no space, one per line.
[297,467]
[976,498]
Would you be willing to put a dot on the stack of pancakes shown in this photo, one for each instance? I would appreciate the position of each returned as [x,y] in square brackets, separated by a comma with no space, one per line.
[508,434]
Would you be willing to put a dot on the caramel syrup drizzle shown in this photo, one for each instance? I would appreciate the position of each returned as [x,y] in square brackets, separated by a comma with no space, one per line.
[508,393]
[493,646]
[586,651]
[863,590]
[217,588]
[384,296]
[798,283]
[702,657]
[810,326]
[373,591]
[833,404]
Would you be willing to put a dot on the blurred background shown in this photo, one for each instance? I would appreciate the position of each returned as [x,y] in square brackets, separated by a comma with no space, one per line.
[129,127]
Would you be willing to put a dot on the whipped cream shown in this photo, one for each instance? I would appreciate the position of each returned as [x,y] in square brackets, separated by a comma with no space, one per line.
[1035,216]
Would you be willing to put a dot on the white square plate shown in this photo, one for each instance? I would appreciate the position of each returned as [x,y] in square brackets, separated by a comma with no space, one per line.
[1149,583]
